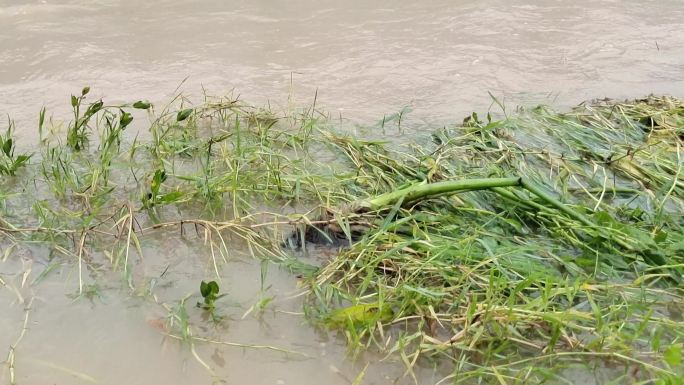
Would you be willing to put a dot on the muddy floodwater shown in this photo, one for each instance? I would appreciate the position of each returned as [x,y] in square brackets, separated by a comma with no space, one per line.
[367,59]
[361,60]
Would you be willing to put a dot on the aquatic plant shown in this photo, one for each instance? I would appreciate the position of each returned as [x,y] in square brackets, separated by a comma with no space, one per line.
[210,293]
[9,162]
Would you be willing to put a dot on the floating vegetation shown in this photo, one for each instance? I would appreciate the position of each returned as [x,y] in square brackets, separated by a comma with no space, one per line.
[516,250]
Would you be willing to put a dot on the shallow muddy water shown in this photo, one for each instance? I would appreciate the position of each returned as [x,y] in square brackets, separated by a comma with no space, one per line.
[367,60]
[115,335]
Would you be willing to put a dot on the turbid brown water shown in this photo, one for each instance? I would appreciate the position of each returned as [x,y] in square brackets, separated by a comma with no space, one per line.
[366,59]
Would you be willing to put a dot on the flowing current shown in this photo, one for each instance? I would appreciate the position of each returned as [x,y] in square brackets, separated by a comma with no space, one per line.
[367,59]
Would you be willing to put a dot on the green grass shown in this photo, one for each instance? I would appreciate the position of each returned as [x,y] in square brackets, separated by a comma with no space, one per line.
[495,281]
[505,251]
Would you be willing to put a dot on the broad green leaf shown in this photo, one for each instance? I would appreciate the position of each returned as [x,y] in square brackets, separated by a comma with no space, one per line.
[125,119]
[204,289]
[184,114]
[213,288]
[660,237]
[142,105]
[673,355]
[95,107]
[171,197]
[7,147]
[359,314]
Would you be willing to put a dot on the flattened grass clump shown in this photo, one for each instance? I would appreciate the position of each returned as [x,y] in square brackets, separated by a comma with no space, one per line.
[498,281]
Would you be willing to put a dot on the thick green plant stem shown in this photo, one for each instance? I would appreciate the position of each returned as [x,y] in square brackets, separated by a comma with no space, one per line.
[507,194]
[417,192]
[541,194]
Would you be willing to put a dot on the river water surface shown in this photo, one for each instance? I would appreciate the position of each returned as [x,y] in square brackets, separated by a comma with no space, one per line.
[366,58]
[363,60]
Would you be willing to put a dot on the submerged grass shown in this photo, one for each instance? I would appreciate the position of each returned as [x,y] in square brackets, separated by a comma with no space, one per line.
[508,251]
